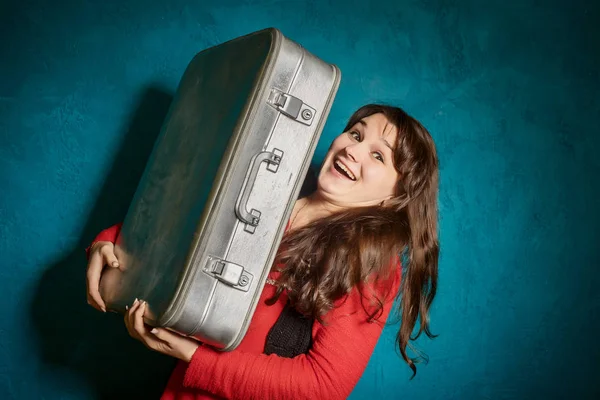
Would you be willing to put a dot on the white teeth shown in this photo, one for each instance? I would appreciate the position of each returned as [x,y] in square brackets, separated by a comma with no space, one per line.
[346,170]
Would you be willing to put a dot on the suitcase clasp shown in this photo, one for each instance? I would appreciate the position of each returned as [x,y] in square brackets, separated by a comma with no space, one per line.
[291,106]
[229,273]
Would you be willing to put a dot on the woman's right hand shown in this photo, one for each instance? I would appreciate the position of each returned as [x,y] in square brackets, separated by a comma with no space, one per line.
[101,254]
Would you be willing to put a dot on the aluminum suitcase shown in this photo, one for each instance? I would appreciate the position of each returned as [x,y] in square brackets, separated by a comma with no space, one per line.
[204,225]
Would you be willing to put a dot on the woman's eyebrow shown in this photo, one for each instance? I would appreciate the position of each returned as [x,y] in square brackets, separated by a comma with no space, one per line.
[364,124]
[387,143]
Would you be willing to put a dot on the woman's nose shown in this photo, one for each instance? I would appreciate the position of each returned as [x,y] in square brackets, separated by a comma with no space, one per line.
[350,152]
[357,151]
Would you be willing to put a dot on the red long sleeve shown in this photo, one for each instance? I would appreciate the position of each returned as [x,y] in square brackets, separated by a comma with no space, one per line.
[107,235]
[340,352]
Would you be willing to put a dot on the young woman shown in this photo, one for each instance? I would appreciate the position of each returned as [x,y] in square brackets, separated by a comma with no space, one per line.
[335,278]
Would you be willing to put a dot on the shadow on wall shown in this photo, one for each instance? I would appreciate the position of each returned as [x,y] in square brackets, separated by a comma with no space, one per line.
[71,334]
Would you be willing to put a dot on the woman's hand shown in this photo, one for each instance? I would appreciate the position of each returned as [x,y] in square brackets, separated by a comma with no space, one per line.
[101,254]
[158,339]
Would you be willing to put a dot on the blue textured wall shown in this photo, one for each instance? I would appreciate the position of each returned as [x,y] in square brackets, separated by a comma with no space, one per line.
[509,91]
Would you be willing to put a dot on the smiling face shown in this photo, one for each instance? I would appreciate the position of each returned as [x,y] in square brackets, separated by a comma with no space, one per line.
[358,169]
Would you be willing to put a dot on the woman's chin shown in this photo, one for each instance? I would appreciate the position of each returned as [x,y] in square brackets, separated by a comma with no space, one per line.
[331,192]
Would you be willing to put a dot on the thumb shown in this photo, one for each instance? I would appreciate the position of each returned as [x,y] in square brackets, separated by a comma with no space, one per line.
[162,334]
[111,258]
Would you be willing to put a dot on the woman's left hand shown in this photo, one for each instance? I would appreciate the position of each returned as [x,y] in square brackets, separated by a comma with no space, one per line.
[158,339]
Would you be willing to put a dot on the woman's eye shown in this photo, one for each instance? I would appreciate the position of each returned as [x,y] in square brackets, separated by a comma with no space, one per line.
[379,156]
[355,135]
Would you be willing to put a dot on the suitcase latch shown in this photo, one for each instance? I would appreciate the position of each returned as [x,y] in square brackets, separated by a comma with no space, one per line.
[229,273]
[292,106]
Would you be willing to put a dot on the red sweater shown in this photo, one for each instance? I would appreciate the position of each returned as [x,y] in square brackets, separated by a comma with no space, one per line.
[340,352]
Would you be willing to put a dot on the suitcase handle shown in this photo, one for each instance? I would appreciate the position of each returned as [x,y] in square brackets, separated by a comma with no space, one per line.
[252,218]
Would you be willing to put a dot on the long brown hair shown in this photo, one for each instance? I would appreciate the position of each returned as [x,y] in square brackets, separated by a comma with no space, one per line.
[324,260]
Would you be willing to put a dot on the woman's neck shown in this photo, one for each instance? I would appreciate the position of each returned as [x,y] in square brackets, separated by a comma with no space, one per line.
[311,208]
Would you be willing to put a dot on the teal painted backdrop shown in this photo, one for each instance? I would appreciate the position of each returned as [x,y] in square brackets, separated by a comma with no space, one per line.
[509,90]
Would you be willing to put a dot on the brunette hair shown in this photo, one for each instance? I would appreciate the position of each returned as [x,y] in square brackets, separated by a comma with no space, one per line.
[324,260]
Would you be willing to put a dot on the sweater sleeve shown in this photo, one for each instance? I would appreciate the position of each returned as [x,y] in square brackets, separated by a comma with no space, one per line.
[340,352]
[109,234]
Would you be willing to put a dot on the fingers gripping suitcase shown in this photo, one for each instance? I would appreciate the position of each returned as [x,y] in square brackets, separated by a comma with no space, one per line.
[203,228]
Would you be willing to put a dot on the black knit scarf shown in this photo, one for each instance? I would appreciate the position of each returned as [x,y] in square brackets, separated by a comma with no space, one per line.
[291,335]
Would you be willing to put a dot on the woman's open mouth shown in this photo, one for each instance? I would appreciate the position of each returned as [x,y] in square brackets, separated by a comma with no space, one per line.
[343,170]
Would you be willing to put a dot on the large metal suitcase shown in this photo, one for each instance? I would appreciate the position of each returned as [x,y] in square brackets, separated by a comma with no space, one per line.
[205,223]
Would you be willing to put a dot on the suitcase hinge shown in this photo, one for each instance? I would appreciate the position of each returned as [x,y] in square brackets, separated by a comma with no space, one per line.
[229,273]
[291,106]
